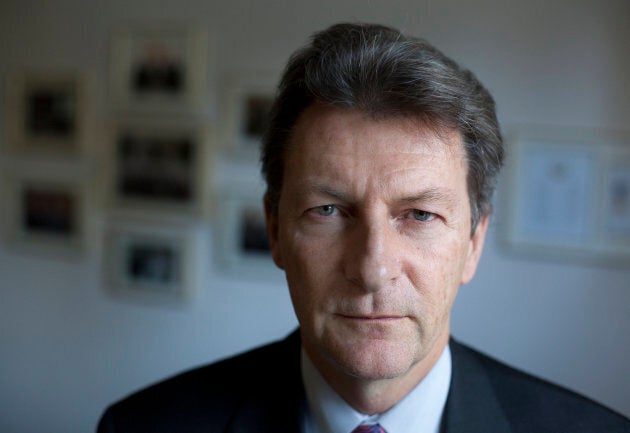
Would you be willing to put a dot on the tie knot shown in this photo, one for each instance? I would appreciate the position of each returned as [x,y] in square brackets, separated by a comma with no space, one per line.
[373,428]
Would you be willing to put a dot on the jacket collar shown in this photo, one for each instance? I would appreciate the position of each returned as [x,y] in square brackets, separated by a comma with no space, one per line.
[471,405]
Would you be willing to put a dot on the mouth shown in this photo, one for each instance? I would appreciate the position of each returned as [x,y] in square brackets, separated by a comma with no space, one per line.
[372,317]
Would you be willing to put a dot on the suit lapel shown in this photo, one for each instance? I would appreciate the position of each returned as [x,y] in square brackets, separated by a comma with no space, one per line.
[268,416]
[472,405]
[278,407]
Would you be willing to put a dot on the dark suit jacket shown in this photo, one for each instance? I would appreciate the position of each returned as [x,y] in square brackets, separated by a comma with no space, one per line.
[261,391]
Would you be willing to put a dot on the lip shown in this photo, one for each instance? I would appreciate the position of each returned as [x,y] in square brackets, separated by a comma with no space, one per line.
[372,318]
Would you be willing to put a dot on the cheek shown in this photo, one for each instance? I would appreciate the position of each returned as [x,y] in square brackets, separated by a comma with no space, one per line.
[309,255]
[436,273]
[308,267]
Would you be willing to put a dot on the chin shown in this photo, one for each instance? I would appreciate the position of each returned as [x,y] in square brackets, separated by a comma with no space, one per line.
[379,369]
[377,359]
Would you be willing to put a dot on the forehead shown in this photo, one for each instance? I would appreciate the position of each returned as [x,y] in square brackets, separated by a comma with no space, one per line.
[349,155]
[346,132]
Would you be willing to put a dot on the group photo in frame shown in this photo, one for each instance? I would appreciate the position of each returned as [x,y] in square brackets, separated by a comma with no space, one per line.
[246,105]
[47,112]
[46,214]
[149,262]
[242,246]
[160,68]
[160,165]
[569,195]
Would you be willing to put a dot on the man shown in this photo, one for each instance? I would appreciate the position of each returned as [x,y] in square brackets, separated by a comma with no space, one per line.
[380,161]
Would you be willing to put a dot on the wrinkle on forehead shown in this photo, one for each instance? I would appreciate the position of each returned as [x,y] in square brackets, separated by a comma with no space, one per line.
[428,138]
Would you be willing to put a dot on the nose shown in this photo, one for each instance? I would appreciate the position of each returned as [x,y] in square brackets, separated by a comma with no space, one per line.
[373,255]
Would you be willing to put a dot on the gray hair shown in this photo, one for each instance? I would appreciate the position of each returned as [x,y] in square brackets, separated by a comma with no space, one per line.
[385,74]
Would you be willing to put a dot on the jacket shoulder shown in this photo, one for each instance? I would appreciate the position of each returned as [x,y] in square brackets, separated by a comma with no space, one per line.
[202,397]
[530,403]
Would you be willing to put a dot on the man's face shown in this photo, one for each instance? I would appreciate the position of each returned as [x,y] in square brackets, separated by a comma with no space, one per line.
[373,232]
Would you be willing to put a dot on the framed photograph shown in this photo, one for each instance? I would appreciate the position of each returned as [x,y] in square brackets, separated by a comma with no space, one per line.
[617,199]
[46,215]
[160,165]
[150,262]
[47,112]
[159,68]
[568,196]
[556,190]
[247,103]
[242,246]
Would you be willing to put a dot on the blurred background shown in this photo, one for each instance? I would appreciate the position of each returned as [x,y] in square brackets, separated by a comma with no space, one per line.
[131,245]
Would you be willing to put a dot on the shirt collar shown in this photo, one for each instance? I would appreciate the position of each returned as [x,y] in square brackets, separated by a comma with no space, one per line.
[420,410]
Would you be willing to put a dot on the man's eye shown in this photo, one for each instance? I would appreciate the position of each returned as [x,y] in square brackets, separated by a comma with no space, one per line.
[326,210]
[422,215]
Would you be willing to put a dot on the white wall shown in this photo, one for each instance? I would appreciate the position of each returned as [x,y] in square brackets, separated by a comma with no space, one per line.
[67,348]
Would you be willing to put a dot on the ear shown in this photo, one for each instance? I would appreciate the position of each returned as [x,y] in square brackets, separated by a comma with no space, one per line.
[474,250]
[271,219]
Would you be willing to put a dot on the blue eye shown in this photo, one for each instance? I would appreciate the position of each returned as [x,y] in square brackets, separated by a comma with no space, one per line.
[326,210]
[421,215]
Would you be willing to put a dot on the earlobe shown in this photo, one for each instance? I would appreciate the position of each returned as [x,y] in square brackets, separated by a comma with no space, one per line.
[474,250]
[271,219]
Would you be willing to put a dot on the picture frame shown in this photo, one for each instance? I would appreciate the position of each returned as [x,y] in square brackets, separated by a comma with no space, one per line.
[150,262]
[47,112]
[47,214]
[616,199]
[159,68]
[247,99]
[242,247]
[568,195]
[160,166]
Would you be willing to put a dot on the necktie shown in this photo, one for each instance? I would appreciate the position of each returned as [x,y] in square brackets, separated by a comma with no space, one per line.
[374,428]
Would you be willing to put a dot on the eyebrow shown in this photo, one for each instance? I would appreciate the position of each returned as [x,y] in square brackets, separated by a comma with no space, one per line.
[434,195]
[431,195]
[322,188]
